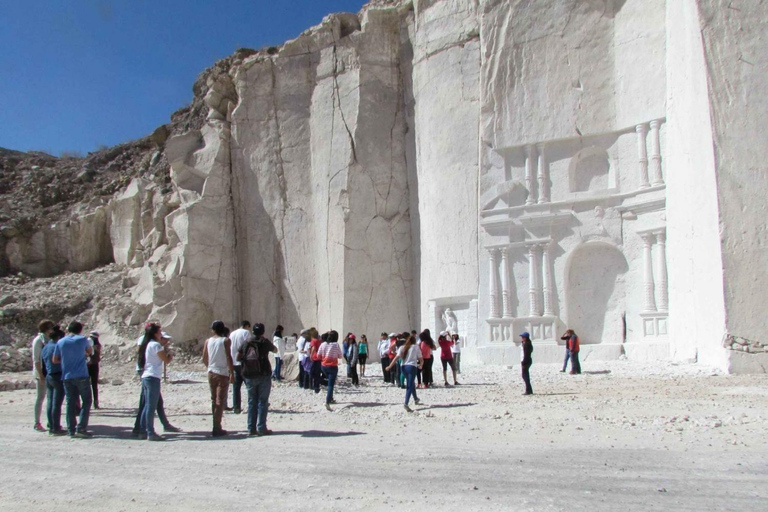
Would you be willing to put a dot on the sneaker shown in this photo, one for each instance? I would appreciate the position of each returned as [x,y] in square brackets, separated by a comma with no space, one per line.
[562,371]
[237,411]
[135,433]
[417,402]
[142,435]
[82,435]
[229,408]
[171,428]
[266,432]
[333,401]
[328,406]
[57,432]
[219,433]
[155,437]
[39,427]
[457,383]
[408,408]
[253,433]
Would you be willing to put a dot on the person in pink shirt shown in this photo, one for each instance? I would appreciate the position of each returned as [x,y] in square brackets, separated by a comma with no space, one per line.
[330,353]
[427,345]
[446,357]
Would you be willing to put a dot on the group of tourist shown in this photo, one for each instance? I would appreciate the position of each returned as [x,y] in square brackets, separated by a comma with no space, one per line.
[66,365]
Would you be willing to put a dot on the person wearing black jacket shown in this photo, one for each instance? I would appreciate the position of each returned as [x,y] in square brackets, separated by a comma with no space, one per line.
[526,349]
[257,373]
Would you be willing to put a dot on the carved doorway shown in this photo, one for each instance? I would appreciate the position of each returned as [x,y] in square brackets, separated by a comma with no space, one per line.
[596,293]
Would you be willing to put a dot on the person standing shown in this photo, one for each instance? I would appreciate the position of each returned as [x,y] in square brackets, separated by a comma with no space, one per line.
[254,358]
[53,384]
[217,356]
[152,328]
[329,355]
[71,352]
[572,347]
[526,351]
[362,353]
[279,342]
[383,349]
[152,357]
[44,329]
[352,356]
[427,345]
[411,361]
[301,350]
[93,366]
[315,361]
[446,357]
[456,352]
[238,338]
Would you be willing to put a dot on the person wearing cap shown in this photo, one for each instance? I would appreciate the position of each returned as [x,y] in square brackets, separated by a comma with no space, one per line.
[383,349]
[526,350]
[93,366]
[217,356]
[254,356]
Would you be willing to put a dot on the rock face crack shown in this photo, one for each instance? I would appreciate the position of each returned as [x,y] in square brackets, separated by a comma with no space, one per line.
[337,102]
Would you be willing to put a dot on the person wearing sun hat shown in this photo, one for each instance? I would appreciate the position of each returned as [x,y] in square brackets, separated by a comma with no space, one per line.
[526,350]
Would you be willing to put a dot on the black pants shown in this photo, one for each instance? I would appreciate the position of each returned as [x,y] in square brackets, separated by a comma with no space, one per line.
[527,378]
[93,373]
[353,375]
[316,375]
[301,375]
[427,371]
[384,363]
[237,388]
[575,364]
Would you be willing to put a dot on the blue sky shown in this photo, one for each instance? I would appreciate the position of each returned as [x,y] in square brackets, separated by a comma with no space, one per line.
[78,74]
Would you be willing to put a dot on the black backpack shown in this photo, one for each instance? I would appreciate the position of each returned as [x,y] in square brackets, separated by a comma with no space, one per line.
[250,357]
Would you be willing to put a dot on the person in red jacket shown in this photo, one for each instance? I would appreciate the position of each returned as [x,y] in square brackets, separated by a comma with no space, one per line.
[572,347]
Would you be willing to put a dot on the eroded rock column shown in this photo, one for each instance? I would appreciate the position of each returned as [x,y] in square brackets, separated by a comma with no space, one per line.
[543,174]
[547,280]
[533,277]
[530,183]
[506,297]
[661,266]
[657,178]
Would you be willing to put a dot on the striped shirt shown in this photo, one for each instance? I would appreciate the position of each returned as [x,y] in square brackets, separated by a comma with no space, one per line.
[329,354]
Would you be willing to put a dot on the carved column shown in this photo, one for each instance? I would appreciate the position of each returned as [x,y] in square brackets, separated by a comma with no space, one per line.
[506,298]
[657,178]
[494,290]
[650,300]
[543,175]
[549,309]
[661,256]
[530,154]
[642,131]
[533,279]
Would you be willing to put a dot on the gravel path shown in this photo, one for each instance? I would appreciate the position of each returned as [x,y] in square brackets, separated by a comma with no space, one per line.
[621,436]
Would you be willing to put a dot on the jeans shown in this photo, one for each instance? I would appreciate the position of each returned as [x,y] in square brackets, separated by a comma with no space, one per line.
[160,412]
[410,382]
[384,363]
[278,368]
[93,373]
[219,385]
[331,372]
[575,364]
[237,399]
[40,386]
[55,398]
[150,388]
[400,374]
[527,378]
[78,389]
[567,356]
[258,402]
[316,375]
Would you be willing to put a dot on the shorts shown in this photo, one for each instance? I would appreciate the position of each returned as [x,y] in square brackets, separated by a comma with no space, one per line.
[446,363]
[361,358]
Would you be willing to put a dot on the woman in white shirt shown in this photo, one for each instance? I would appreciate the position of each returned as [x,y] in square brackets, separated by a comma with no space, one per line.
[412,362]
[152,355]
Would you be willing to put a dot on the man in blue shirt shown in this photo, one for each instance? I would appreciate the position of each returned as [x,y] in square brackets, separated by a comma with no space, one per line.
[71,352]
[54,384]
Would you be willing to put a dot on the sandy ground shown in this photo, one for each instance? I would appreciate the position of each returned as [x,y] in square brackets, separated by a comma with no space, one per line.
[622,436]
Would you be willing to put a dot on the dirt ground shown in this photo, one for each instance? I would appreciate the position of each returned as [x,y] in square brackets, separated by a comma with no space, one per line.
[622,436]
